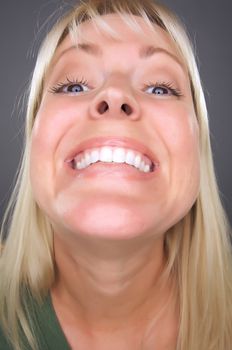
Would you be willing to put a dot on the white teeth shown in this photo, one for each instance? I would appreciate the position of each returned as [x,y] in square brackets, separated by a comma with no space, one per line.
[94,156]
[83,163]
[119,155]
[137,161]
[87,158]
[147,168]
[113,154]
[130,156]
[142,165]
[106,154]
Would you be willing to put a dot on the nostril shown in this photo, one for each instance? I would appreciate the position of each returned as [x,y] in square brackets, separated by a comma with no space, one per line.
[102,107]
[127,109]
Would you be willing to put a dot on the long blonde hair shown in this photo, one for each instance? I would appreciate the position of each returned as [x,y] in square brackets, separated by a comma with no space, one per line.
[198,247]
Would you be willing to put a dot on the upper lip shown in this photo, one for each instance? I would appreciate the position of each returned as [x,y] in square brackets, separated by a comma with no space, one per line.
[113,141]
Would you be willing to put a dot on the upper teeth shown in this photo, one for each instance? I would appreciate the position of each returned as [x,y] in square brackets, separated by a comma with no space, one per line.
[113,154]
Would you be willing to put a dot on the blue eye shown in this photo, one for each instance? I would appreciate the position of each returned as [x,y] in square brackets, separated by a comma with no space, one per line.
[75,88]
[162,89]
[158,90]
[72,87]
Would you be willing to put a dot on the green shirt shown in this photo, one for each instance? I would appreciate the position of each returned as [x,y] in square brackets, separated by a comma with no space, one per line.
[48,331]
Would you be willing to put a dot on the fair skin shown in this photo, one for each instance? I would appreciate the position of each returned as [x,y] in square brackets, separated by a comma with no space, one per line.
[110,222]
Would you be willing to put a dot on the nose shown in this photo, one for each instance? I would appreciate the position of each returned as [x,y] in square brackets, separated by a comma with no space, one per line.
[115,100]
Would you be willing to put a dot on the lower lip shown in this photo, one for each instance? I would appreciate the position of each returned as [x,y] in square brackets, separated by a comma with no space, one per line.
[112,170]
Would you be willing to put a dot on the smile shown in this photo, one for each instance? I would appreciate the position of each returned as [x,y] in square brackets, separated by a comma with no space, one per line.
[118,155]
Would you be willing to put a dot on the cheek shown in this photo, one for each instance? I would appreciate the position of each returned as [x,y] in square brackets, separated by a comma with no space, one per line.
[52,123]
[177,130]
[185,155]
[183,145]
[41,165]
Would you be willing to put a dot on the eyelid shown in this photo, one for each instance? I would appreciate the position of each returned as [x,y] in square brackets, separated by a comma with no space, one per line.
[167,85]
[58,87]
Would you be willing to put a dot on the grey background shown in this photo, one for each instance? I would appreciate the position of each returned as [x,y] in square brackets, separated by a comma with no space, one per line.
[210,27]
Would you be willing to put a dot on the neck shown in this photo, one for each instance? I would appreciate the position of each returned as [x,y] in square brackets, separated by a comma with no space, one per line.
[110,285]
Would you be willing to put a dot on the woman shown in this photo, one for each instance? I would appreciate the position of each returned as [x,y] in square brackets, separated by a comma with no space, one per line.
[118,239]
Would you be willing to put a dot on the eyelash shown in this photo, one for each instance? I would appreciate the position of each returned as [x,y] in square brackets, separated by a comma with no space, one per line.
[59,86]
[167,85]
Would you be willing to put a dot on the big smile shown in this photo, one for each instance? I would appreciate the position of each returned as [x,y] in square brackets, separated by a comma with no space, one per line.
[112,154]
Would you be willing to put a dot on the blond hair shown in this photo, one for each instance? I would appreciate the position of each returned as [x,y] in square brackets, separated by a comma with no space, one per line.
[198,247]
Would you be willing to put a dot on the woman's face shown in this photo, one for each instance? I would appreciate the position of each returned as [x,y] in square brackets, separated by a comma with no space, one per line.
[127,100]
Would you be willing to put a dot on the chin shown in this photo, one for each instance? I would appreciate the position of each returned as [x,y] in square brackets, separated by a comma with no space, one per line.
[106,220]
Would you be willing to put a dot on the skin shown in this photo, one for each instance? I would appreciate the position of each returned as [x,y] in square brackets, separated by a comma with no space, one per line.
[109,229]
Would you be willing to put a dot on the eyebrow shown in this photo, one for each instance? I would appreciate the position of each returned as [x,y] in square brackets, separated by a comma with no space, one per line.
[91,49]
[149,51]
[144,52]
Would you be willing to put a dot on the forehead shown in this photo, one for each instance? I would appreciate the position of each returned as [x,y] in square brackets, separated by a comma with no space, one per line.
[111,29]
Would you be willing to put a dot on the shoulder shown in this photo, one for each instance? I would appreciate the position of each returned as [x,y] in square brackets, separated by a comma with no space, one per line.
[36,315]
[44,325]
[4,344]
